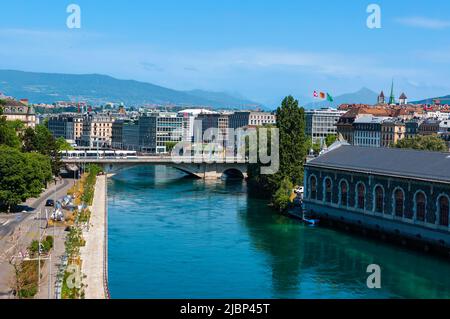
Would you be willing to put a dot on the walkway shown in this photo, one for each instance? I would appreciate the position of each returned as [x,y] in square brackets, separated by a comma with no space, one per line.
[93,254]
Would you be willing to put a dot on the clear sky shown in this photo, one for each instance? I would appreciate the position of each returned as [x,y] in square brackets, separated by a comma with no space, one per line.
[262,49]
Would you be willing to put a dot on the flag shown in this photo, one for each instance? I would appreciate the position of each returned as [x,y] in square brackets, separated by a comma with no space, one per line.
[315,94]
[329,98]
[322,95]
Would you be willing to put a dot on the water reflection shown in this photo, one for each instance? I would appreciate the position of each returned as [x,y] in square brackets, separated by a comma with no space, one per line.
[177,237]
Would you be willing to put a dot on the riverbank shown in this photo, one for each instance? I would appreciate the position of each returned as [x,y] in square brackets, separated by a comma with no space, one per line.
[94,254]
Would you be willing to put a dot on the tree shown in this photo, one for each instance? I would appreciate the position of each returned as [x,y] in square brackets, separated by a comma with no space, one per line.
[63,145]
[42,141]
[22,175]
[330,139]
[291,123]
[170,146]
[29,140]
[293,146]
[13,186]
[8,134]
[282,197]
[426,143]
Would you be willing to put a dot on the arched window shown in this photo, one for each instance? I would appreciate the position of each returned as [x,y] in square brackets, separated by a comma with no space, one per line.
[399,199]
[328,190]
[379,199]
[361,196]
[420,206]
[344,193]
[313,184]
[443,211]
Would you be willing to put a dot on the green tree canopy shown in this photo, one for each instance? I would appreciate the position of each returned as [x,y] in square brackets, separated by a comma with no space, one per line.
[330,139]
[8,133]
[425,143]
[41,140]
[22,175]
[63,145]
[293,146]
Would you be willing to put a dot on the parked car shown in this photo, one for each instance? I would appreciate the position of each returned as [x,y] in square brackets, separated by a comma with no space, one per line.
[50,203]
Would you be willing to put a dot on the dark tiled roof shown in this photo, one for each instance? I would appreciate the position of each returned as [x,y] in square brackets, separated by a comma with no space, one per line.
[10,102]
[388,161]
[403,96]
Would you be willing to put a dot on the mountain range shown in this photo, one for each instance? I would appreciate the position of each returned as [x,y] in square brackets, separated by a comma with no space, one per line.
[100,89]
[443,99]
[363,96]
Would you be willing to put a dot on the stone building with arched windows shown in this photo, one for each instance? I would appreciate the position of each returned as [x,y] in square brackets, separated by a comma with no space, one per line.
[402,192]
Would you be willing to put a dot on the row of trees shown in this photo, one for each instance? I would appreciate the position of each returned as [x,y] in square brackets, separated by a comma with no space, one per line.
[424,143]
[29,158]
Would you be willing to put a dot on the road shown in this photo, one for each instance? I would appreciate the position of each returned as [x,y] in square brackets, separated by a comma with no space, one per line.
[17,230]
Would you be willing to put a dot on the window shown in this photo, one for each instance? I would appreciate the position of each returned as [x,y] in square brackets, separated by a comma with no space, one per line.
[443,211]
[379,199]
[313,182]
[344,193]
[361,195]
[420,206]
[328,189]
[399,202]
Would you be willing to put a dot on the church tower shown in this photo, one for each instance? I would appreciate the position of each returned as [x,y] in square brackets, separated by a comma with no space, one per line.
[381,98]
[403,99]
[392,97]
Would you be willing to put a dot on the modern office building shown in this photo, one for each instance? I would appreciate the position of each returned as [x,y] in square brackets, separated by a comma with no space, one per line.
[151,133]
[321,123]
[385,189]
[62,126]
[241,119]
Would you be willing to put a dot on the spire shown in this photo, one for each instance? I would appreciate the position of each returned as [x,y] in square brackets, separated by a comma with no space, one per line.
[381,98]
[392,97]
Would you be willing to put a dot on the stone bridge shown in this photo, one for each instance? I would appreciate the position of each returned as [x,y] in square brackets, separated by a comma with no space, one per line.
[198,167]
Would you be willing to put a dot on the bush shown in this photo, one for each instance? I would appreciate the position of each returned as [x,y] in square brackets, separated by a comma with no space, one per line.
[282,197]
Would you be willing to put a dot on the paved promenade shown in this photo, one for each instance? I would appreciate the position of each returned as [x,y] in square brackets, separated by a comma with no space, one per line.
[93,254]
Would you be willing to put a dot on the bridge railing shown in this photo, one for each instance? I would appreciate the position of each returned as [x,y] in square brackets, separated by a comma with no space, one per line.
[170,159]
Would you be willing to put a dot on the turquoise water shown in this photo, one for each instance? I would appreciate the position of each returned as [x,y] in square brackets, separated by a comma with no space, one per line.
[175,237]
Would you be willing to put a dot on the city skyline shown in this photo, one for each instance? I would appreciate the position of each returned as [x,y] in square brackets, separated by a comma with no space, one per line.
[262,51]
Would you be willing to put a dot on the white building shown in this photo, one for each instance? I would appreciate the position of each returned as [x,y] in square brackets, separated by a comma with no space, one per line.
[321,123]
[189,116]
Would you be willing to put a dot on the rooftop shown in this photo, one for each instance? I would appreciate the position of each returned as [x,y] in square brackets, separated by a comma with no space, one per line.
[387,161]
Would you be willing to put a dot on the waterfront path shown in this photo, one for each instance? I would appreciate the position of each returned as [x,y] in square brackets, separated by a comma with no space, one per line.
[93,255]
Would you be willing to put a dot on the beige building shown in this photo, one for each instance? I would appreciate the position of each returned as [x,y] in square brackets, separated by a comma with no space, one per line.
[78,128]
[19,111]
[392,131]
[262,118]
[97,131]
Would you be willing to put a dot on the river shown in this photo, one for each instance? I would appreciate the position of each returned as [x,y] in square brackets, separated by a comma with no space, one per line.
[177,237]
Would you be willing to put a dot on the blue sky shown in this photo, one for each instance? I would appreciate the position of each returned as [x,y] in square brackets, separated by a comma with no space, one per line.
[263,50]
